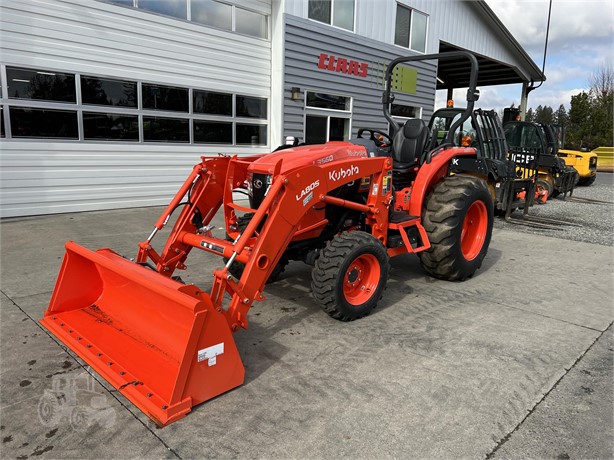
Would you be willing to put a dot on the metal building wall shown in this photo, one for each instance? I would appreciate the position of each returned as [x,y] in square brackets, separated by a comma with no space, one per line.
[95,38]
[306,39]
[458,22]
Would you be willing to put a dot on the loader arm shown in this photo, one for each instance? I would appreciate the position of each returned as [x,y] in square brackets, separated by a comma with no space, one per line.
[290,196]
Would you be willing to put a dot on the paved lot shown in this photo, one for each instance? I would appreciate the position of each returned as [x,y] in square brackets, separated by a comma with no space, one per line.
[514,363]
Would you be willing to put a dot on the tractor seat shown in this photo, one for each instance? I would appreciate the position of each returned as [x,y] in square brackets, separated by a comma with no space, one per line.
[409,144]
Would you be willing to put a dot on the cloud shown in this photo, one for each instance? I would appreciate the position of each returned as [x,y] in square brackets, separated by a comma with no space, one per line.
[573,23]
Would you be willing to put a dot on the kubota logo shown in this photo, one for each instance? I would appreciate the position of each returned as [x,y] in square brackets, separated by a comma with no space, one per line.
[343,173]
[308,189]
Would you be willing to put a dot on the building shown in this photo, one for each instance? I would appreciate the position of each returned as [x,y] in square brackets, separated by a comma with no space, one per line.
[107,104]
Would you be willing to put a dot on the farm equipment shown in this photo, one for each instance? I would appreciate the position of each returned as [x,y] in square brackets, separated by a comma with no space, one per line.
[554,176]
[511,174]
[344,207]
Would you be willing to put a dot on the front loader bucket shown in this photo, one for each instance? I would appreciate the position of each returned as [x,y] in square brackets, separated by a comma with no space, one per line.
[159,342]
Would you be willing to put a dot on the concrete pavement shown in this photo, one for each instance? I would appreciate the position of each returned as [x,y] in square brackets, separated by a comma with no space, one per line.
[489,367]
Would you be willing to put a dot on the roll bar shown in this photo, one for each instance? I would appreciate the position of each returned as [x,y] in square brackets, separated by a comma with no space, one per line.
[472,93]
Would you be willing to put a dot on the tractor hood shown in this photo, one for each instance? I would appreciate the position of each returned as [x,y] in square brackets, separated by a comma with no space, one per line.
[320,154]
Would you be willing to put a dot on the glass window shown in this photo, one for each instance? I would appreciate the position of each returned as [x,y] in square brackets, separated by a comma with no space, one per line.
[157,97]
[343,14]
[212,132]
[250,23]
[327,101]
[401,28]
[252,107]
[2,134]
[212,13]
[410,24]
[418,32]
[319,10]
[121,2]
[107,126]
[103,91]
[174,8]
[405,111]
[315,129]
[166,129]
[27,122]
[212,103]
[320,129]
[41,85]
[251,134]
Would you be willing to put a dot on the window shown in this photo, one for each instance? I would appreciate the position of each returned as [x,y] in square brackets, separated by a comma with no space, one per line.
[117,110]
[212,103]
[212,13]
[159,129]
[405,111]
[157,97]
[106,126]
[222,15]
[410,29]
[327,101]
[26,122]
[40,85]
[327,117]
[251,134]
[174,8]
[250,23]
[251,107]
[121,2]
[104,91]
[212,132]
[339,13]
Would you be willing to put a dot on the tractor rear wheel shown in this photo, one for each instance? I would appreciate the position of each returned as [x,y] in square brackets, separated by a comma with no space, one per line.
[350,275]
[586,181]
[458,219]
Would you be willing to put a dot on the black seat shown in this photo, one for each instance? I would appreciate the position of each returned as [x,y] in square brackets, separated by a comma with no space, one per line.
[409,144]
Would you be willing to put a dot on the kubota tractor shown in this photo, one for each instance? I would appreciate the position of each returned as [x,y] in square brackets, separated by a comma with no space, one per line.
[345,207]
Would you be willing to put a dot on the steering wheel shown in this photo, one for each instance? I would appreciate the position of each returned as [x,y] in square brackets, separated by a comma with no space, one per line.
[380,138]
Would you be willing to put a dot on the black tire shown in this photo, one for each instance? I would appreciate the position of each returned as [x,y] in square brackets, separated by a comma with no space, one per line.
[236,269]
[452,257]
[545,185]
[350,275]
[585,182]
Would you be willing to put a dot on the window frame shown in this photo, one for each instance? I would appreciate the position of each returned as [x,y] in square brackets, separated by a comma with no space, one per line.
[189,19]
[138,111]
[411,27]
[332,17]
[328,113]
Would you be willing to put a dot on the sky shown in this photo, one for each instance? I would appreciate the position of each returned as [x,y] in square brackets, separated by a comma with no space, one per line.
[581,40]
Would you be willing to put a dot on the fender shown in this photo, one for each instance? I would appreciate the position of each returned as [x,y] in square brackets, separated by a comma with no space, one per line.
[431,173]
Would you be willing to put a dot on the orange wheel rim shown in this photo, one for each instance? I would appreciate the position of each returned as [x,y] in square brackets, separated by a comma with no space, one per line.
[473,234]
[361,278]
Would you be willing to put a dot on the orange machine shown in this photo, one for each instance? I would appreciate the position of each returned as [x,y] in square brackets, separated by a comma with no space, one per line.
[344,207]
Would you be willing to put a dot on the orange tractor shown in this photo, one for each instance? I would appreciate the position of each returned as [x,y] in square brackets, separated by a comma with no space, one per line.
[344,207]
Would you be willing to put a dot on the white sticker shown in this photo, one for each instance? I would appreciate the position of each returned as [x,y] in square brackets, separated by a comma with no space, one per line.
[210,353]
[375,189]
[212,361]
[308,198]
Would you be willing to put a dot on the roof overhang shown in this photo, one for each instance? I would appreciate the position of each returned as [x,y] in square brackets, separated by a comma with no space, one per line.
[454,73]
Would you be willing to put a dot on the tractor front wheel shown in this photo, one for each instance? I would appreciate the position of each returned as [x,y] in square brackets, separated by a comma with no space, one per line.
[458,219]
[350,275]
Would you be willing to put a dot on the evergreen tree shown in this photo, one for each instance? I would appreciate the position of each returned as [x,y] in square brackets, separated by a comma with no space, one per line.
[530,115]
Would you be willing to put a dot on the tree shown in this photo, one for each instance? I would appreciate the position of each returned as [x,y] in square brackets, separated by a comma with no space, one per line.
[530,115]
[560,116]
[544,115]
[591,122]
